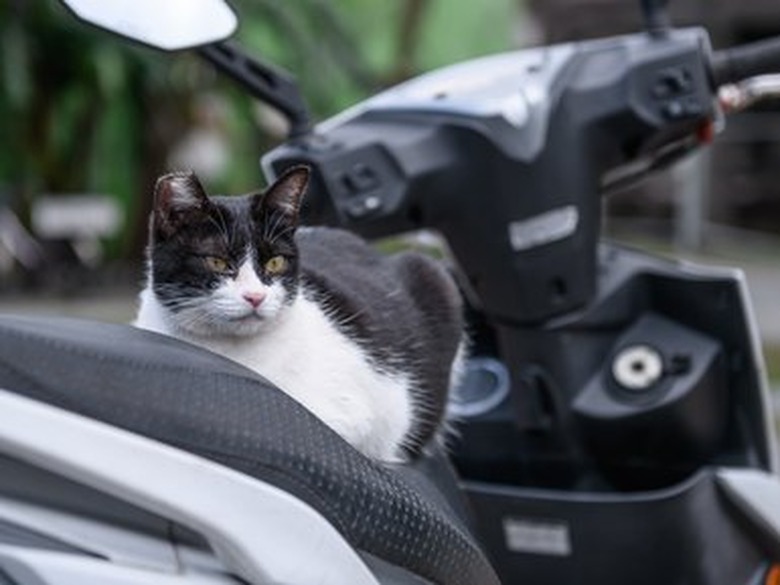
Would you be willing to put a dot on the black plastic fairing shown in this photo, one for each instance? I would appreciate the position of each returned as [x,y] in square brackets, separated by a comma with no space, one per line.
[541,435]
[197,401]
[683,534]
[523,230]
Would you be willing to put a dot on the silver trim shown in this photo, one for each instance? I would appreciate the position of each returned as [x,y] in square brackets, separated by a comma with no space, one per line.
[760,365]
[260,532]
[757,494]
[120,546]
[544,228]
[27,565]
[739,96]
[539,537]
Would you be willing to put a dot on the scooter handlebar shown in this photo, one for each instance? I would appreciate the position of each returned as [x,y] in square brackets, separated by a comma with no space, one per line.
[739,63]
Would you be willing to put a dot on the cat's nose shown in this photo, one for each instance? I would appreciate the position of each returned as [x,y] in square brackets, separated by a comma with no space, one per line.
[254,298]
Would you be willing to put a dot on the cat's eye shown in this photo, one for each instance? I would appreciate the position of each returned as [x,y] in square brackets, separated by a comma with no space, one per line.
[216,264]
[276,265]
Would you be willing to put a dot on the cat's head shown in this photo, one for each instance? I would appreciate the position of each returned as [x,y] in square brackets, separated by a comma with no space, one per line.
[224,266]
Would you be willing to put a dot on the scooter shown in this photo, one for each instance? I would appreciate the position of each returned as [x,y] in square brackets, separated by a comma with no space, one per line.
[614,417]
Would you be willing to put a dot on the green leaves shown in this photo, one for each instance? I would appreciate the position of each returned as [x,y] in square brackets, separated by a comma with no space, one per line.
[83,111]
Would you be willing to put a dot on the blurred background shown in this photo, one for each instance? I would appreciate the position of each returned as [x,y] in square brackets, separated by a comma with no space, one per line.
[88,121]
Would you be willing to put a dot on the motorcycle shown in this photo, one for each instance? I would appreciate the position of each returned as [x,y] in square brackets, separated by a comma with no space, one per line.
[614,416]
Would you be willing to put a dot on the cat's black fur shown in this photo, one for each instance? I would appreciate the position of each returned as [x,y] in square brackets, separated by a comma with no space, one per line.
[403,310]
[173,252]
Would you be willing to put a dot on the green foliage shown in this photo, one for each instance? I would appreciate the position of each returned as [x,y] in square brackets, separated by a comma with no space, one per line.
[82,111]
[342,51]
[473,29]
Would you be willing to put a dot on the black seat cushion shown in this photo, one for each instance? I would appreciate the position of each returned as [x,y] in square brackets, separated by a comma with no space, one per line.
[197,401]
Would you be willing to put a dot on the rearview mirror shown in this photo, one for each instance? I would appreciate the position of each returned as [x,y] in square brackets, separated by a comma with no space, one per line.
[164,24]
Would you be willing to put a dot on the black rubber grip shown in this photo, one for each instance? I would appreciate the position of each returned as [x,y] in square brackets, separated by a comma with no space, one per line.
[759,58]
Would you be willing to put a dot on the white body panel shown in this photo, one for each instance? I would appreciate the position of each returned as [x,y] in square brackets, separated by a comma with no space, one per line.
[259,531]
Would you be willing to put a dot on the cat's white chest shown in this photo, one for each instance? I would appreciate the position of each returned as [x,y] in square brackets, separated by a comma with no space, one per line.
[305,355]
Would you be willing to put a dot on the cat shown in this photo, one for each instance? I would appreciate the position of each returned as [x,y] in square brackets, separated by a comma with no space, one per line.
[367,342]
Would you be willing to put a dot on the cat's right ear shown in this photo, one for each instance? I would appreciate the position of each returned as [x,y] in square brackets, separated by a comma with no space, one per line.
[285,194]
[175,196]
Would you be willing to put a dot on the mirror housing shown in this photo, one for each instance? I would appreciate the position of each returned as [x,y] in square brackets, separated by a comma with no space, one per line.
[170,25]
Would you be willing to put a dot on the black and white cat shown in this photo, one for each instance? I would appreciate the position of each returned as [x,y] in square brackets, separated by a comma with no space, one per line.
[366,342]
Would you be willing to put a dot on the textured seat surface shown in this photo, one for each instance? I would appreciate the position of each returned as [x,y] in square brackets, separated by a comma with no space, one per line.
[197,401]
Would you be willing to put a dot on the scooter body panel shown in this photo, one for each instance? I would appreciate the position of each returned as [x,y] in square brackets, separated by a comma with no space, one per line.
[685,534]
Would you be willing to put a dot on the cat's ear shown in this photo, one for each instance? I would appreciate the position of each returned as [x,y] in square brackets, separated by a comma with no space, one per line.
[285,194]
[175,196]
[178,191]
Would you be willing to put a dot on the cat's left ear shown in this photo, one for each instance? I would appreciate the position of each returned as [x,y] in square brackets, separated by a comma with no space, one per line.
[177,198]
[286,193]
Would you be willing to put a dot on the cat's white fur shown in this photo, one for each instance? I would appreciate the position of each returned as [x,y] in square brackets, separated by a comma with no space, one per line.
[299,349]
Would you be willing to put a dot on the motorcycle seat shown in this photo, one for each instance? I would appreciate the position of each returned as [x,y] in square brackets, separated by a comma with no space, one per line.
[199,402]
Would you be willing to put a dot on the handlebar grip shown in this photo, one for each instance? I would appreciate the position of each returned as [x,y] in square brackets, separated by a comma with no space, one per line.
[738,63]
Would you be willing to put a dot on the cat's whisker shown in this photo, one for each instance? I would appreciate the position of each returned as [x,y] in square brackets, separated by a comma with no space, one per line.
[282,233]
[221,226]
[175,301]
[351,318]
[270,228]
[287,228]
[198,321]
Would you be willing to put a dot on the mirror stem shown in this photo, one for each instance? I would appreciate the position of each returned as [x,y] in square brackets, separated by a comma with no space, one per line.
[270,85]
[656,17]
